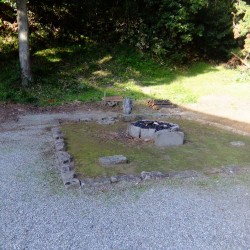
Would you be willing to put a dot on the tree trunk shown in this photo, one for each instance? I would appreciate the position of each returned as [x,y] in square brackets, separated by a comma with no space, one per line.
[23,41]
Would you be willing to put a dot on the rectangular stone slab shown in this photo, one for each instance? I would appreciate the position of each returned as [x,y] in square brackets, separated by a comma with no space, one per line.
[165,138]
[109,161]
[147,133]
[134,131]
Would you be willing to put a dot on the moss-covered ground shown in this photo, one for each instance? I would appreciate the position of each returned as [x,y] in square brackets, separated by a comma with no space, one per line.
[205,147]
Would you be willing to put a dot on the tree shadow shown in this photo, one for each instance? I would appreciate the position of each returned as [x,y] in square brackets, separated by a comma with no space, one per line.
[227,123]
[85,72]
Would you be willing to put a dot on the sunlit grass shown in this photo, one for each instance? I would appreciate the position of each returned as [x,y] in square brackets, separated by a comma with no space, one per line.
[84,73]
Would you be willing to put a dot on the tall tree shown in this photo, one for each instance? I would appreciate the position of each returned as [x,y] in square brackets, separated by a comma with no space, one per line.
[23,41]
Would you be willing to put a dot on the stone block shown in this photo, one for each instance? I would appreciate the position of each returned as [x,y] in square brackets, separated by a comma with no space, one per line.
[87,182]
[134,131]
[93,182]
[155,175]
[100,181]
[65,168]
[159,175]
[60,145]
[73,184]
[109,161]
[114,179]
[166,138]
[57,133]
[147,133]
[146,175]
[64,157]
[128,178]
[185,174]
[66,176]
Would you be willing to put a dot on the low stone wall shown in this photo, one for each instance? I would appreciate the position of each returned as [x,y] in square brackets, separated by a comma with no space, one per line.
[144,176]
[65,161]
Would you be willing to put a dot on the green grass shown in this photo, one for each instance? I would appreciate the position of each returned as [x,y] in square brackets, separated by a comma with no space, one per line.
[84,73]
[205,147]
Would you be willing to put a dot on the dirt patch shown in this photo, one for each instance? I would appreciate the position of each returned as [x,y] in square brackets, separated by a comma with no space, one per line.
[12,112]
[233,125]
[225,108]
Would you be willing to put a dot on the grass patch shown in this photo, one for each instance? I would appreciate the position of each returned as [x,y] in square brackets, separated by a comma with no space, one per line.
[205,146]
[85,72]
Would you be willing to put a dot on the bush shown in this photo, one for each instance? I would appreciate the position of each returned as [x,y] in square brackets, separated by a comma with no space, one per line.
[176,29]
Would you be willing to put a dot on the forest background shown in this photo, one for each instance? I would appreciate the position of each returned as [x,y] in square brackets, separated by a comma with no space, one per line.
[79,49]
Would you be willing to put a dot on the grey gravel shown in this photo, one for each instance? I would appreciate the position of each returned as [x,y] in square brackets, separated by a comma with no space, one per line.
[36,212]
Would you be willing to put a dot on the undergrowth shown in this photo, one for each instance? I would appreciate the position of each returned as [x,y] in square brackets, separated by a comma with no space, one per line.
[86,72]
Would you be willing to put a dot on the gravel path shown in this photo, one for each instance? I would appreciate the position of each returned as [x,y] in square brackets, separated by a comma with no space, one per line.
[37,213]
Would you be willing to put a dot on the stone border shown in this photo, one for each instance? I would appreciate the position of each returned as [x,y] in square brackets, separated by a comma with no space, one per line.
[65,160]
[144,176]
[66,167]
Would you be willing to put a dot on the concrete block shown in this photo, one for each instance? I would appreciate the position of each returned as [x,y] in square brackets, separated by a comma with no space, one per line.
[146,175]
[64,157]
[67,176]
[57,133]
[100,181]
[159,175]
[128,178]
[112,160]
[134,131]
[147,133]
[165,138]
[114,179]
[73,184]
[60,145]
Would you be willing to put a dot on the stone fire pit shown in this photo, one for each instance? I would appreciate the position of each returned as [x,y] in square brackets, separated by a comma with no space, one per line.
[163,133]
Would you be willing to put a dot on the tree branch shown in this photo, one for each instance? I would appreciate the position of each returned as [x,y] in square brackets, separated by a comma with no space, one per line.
[243,61]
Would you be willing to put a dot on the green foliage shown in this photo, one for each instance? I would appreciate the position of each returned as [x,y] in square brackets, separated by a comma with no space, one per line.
[8,30]
[178,29]
[216,39]
[10,89]
[83,73]
[242,25]
[11,3]
[175,29]
[165,28]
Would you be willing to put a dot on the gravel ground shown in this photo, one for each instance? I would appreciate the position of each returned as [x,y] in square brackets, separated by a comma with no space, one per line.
[37,213]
